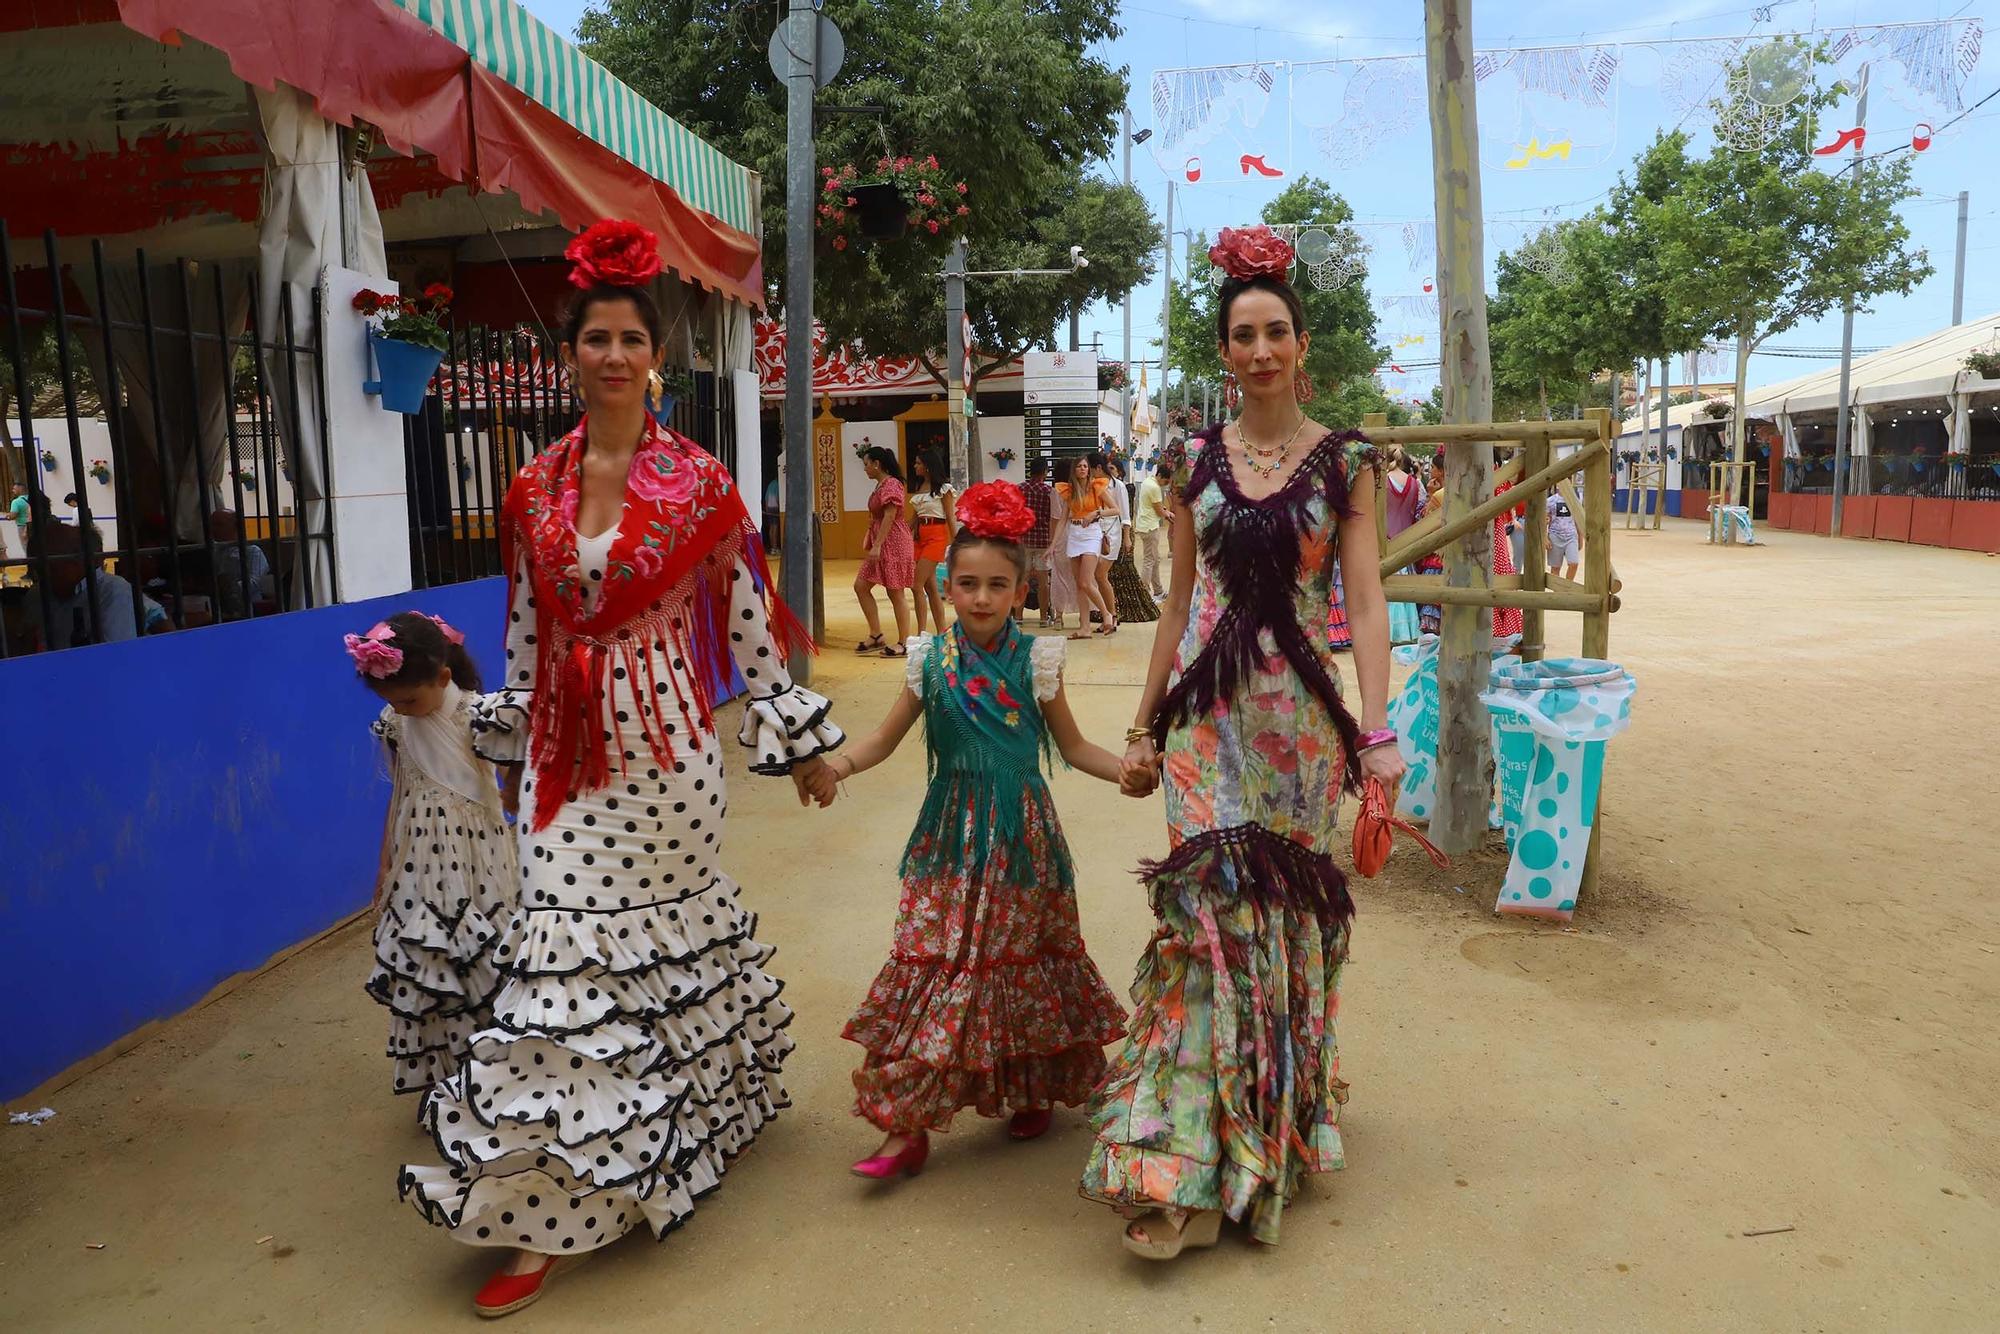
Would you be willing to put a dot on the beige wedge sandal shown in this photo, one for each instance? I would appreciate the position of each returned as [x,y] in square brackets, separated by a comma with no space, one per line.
[1192,1231]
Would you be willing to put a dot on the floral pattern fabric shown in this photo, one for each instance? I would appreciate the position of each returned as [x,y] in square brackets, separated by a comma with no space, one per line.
[1227,1090]
[988,1000]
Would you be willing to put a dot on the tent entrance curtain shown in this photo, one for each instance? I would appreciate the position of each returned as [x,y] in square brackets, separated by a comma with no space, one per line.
[315,215]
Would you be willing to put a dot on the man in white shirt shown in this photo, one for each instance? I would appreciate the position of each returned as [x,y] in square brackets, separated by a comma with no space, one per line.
[1151,526]
[106,617]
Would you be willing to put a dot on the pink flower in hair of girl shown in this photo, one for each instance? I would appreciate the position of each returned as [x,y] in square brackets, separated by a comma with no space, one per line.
[374,655]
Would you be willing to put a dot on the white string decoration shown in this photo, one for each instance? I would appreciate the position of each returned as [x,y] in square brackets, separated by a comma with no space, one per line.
[1936,60]
[1352,109]
[1549,107]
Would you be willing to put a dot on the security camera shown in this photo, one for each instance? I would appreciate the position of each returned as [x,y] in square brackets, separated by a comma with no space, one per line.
[1076,259]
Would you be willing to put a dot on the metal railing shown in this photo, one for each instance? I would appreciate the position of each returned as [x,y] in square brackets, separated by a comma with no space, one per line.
[164,441]
[1926,476]
[498,400]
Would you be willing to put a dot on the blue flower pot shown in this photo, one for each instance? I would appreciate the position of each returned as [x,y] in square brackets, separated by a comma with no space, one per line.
[663,409]
[404,371]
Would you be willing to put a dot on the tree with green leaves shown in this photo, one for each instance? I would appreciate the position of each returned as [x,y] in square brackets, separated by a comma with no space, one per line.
[1541,326]
[1343,354]
[1753,243]
[1012,99]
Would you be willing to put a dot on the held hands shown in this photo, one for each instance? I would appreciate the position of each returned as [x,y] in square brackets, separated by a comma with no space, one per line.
[816,782]
[510,790]
[1140,772]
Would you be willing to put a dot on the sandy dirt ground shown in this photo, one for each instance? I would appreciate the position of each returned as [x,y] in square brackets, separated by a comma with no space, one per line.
[1779,1012]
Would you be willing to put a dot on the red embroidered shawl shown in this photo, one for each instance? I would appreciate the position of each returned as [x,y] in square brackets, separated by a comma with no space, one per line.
[667,580]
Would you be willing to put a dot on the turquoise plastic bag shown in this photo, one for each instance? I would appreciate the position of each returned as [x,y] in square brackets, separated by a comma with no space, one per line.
[1555,718]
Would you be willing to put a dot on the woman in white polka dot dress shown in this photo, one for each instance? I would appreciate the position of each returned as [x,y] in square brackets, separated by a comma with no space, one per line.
[637,1040]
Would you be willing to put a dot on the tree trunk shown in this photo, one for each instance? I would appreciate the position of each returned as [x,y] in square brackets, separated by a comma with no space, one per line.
[1465,758]
[1542,391]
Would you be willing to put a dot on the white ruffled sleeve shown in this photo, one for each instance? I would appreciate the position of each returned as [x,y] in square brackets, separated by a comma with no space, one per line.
[500,726]
[919,651]
[1047,655]
[783,724]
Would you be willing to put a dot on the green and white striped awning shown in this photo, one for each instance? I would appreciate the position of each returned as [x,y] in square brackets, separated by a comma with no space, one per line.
[527,53]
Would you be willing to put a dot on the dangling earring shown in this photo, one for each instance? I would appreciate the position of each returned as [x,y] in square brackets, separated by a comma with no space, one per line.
[1302,386]
[1232,393]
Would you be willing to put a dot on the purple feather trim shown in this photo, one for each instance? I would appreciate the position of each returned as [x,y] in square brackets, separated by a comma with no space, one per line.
[1252,546]
[1268,868]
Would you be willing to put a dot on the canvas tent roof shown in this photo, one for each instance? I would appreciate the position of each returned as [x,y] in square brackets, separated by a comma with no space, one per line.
[126,119]
[1930,367]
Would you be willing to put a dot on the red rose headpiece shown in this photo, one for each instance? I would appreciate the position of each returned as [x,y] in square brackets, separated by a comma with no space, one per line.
[995,510]
[1251,252]
[614,252]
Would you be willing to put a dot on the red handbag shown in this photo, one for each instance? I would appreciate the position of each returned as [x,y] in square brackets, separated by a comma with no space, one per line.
[1375,831]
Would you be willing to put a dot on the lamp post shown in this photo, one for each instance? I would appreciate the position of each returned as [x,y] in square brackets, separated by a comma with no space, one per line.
[955,274]
[1125,395]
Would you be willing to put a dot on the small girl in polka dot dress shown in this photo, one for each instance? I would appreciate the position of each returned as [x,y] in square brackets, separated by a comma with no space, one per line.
[449,861]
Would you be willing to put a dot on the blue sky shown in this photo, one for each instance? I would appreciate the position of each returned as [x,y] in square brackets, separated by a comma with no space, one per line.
[1380,161]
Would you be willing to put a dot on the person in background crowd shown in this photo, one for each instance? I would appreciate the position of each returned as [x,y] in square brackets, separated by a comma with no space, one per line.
[1128,594]
[931,516]
[242,570]
[76,574]
[20,510]
[1040,497]
[1150,526]
[891,555]
[1116,522]
[1565,549]
[1083,501]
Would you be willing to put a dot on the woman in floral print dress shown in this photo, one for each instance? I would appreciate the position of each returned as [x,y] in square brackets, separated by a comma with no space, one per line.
[1227,1090]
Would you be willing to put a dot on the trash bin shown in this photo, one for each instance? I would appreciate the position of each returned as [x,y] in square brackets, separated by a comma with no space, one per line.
[1554,719]
[1413,713]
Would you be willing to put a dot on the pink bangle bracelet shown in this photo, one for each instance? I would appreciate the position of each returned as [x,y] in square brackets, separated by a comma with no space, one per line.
[1370,740]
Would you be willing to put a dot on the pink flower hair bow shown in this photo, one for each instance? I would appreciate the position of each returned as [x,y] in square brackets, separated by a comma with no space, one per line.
[373,654]
[451,636]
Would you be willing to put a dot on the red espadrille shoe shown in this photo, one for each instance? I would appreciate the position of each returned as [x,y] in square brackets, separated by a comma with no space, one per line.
[506,1293]
[1030,1124]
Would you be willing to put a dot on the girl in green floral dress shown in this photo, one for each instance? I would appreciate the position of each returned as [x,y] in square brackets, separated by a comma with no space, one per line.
[988,1000]
[1227,1091]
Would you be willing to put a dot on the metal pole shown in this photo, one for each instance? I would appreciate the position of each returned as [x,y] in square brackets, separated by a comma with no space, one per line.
[954,355]
[1842,426]
[1125,307]
[1166,315]
[1958,264]
[800,524]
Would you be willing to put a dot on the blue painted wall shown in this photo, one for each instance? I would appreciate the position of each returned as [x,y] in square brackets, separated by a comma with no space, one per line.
[186,807]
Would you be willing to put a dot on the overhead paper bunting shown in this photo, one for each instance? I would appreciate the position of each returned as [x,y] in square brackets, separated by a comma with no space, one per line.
[1547,106]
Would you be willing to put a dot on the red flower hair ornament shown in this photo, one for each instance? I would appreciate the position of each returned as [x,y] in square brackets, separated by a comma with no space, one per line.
[613,252]
[996,511]
[1251,252]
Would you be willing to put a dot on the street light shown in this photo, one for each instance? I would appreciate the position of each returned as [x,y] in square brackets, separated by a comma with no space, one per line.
[955,274]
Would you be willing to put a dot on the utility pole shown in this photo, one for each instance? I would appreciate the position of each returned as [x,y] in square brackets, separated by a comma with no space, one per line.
[1166,313]
[1842,425]
[1958,264]
[1465,749]
[1125,394]
[954,355]
[801,562]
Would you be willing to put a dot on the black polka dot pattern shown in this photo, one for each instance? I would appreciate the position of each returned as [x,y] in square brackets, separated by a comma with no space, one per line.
[636,1039]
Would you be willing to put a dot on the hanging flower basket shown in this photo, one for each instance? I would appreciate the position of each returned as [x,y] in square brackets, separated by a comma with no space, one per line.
[1002,456]
[407,345]
[901,194]
[675,385]
[48,460]
[1715,409]
[1111,375]
[1985,363]
[246,479]
[100,470]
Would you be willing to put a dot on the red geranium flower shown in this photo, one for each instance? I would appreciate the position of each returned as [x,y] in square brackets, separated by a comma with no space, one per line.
[439,293]
[995,510]
[620,253]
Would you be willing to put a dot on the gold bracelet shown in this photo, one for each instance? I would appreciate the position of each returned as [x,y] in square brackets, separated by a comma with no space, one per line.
[1138,734]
